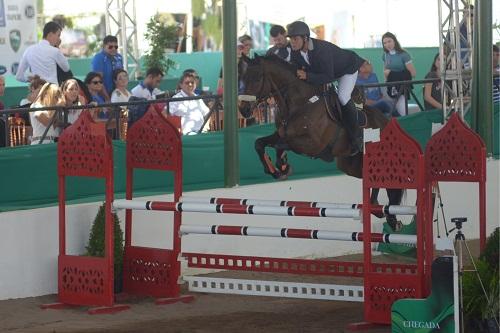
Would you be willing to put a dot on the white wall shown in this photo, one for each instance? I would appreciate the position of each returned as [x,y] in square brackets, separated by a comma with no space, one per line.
[29,238]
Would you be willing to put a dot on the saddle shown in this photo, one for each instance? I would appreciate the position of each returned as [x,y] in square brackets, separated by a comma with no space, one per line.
[334,108]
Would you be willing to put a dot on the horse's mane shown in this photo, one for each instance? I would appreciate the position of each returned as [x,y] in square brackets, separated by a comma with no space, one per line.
[281,62]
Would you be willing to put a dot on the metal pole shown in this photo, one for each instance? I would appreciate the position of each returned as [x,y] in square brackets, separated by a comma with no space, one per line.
[483,101]
[231,144]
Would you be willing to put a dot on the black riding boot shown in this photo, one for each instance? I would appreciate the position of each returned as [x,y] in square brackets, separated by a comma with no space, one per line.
[350,121]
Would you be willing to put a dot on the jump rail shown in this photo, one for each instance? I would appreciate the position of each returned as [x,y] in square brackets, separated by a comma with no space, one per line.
[376,209]
[296,233]
[235,209]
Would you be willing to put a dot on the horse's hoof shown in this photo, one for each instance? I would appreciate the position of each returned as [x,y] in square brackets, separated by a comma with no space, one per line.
[395,225]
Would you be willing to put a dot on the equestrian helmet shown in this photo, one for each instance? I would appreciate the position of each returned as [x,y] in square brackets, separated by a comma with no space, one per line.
[297,28]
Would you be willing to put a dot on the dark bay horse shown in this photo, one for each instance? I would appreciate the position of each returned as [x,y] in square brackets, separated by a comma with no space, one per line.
[306,121]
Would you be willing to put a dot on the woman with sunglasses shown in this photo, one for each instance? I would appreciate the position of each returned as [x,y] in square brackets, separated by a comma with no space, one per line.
[94,83]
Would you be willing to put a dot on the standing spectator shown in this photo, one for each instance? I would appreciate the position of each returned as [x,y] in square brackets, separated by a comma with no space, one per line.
[321,62]
[107,61]
[398,66]
[281,46]
[496,73]
[192,112]
[148,88]
[373,95]
[49,95]
[432,90]
[120,79]
[71,96]
[44,57]
[247,43]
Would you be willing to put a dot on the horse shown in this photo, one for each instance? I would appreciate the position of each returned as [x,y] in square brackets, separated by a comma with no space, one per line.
[307,120]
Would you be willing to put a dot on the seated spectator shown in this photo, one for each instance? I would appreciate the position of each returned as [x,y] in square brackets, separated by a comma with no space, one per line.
[373,95]
[2,125]
[198,90]
[281,46]
[192,112]
[432,90]
[49,95]
[496,73]
[148,88]
[94,83]
[398,66]
[121,93]
[71,96]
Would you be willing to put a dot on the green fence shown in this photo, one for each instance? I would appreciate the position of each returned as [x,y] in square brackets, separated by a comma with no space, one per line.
[29,173]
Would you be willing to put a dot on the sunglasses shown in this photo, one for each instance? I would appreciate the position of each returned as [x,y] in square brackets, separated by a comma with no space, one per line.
[188,82]
[96,82]
[112,47]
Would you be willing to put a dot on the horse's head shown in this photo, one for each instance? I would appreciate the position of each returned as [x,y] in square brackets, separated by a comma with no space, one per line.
[251,84]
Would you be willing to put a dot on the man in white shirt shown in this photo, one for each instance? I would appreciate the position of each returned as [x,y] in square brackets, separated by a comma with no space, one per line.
[192,112]
[148,88]
[43,58]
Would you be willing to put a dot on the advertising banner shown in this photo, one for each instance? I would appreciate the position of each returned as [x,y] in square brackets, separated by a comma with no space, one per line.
[17,32]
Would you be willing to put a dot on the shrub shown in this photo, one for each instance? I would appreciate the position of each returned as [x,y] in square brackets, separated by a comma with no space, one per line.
[95,247]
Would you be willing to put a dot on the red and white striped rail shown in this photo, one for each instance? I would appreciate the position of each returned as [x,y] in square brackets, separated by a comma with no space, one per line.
[236,209]
[295,233]
[376,209]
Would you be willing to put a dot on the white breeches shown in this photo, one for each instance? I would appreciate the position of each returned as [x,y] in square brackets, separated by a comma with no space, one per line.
[346,86]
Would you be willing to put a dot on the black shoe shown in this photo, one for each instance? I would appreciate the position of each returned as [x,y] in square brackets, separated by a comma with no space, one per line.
[350,121]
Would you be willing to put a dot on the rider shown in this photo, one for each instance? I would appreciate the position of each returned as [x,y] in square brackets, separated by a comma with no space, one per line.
[322,62]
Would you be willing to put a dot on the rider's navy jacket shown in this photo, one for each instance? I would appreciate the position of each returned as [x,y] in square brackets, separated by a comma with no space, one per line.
[328,62]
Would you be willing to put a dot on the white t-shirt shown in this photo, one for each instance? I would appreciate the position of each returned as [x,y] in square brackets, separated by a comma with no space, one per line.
[119,97]
[39,128]
[140,90]
[192,113]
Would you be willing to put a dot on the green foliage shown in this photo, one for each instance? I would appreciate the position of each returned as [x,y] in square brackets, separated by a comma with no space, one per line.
[96,240]
[160,36]
[210,18]
[476,304]
[490,253]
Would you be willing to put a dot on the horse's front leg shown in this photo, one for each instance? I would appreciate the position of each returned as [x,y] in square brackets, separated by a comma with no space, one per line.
[281,170]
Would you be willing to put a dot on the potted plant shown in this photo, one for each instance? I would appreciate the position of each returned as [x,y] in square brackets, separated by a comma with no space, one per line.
[481,311]
[161,37]
[95,247]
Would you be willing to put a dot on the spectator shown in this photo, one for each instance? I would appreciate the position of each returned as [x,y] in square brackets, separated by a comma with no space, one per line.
[94,83]
[192,112]
[247,43]
[107,61]
[49,95]
[44,57]
[121,93]
[320,62]
[198,90]
[281,46]
[71,96]
[432,90]
[34,88]
[496,73]
[2,124]
[373,95]
[398,66]
[148,88]
[239,51]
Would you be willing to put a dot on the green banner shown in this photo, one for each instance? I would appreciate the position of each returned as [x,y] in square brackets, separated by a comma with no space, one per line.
[433,314]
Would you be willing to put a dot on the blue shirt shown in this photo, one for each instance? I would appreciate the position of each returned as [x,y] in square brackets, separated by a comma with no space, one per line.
[396,61]
[373,93]
[106,64]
